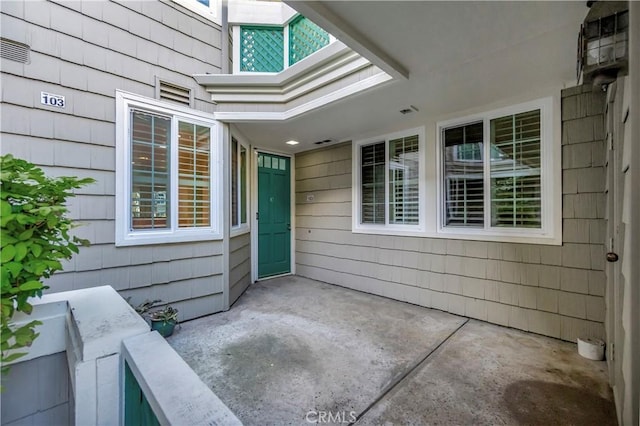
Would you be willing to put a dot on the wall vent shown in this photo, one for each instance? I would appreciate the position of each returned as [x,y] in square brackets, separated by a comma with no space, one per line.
[14,51]
[174,93]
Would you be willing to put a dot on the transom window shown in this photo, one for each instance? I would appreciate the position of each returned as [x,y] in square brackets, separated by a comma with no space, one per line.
[388,183]
[494,169]
[167,174]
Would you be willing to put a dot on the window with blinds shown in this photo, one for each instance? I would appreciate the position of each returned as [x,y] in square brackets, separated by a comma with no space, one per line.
[238,183]
[463,175]
[403,180]
[243,185]
[516,195]
[389,182]
[150,162]
[372,183]
[151,170]
[167,179]
[194,189]
[503,190]
[234,182]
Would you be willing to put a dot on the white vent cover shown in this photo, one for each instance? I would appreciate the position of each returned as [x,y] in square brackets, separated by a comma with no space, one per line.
[172,92]
[14,51]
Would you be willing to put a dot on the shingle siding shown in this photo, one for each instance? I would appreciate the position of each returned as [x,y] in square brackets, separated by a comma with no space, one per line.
[86,50]
[552,290]
[239,266]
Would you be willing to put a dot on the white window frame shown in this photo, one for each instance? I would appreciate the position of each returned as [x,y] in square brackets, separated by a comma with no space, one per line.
[212,12]
[388,228]
[241,228]
[550,176]
[128,237]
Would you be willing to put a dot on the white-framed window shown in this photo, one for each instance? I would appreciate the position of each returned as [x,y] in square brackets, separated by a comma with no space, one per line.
[496,173]
[210,9]
[239,190]
[167,173]
[388,183]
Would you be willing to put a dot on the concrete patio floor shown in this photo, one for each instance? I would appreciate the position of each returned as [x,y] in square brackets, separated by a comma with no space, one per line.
[295,351]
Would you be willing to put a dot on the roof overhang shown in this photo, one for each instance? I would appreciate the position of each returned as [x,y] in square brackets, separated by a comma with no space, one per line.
[332,73]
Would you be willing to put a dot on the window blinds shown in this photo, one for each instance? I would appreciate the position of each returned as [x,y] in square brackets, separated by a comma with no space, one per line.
[515,174]
[194,198]
[234,182]
[243,184]
[403,180]
[464,176]
[150,151]
[373,183]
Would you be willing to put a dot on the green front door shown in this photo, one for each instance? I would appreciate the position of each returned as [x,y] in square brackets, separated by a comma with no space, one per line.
[274,215]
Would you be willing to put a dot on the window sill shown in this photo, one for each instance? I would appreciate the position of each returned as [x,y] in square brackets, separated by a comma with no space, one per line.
[388,229]
[239,230]
[462,235]
[155,238]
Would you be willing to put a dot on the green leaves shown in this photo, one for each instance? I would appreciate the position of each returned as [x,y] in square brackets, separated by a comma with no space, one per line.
[34,239]
[8,253]
[26,234]
[5,208]
[36,250]
[21,251]
[31,285]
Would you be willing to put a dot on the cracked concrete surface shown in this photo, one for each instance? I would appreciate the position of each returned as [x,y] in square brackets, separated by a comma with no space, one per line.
[292,348]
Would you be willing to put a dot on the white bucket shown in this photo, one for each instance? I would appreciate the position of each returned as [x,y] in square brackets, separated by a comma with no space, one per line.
[591,348]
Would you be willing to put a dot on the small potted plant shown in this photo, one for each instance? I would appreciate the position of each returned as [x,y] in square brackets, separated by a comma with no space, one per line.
[164,320]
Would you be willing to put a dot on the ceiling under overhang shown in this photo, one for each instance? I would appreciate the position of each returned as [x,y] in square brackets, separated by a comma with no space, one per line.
[458,56]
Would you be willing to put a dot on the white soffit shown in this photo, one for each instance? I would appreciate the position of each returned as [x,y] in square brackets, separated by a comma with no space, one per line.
[459,55]
[269,97]
[341,30]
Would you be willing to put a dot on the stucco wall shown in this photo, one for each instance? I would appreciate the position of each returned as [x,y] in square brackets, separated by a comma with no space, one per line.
[85,51]
[552,290]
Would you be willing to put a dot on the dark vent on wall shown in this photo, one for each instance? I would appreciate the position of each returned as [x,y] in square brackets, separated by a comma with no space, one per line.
[323,142]
[14,51]
[174,93]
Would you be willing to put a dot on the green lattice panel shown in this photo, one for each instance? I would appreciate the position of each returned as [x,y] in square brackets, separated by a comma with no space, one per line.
[261,49]
[305,37]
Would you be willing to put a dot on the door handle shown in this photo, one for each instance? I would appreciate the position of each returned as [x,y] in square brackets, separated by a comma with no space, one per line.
[612,257]
[288,227]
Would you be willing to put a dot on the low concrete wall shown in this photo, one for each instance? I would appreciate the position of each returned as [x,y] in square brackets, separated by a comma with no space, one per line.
[174,391]
[87,334]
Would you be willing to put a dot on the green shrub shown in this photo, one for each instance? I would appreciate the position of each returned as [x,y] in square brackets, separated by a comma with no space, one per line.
[34,239]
